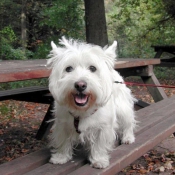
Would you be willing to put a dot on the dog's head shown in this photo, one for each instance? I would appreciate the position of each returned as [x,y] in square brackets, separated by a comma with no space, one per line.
[81,74]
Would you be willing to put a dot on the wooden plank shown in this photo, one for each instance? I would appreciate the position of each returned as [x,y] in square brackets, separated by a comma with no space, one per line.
[79,159]
[127,63]
[22,65]
[31,94]
[156,107]
[32,69]
[24,164]
[26,75]
[50,169]
[126,154]
[136,71]
[24,90]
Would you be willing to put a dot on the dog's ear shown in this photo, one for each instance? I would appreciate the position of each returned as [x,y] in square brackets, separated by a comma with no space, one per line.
[55,55]
[111,50]
[53,45]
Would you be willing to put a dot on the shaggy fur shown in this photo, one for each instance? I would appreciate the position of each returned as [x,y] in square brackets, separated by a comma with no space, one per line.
[82,84]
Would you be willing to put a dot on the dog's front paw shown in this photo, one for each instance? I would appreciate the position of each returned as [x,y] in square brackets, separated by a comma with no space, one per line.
[99,163]
[128,139]
[58,158]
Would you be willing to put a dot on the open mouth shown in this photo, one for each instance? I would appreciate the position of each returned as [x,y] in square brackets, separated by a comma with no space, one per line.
[81,99]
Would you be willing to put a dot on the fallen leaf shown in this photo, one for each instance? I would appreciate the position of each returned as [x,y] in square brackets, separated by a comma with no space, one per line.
[161,169]
[142,171]
[168,165]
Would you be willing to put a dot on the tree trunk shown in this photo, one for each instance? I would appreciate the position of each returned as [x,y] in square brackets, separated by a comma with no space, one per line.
[23,26]
[96,31]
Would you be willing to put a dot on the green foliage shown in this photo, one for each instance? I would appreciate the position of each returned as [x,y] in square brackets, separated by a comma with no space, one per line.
[61,18]
[42,50]
[66,17]
[138,24]
[8,33]
[45,20]
[7,46]
[164,73]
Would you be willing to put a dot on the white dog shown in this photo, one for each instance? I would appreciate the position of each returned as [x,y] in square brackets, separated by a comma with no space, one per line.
[89,107]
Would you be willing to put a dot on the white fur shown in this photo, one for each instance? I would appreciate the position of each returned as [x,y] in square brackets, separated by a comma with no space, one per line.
[109,114]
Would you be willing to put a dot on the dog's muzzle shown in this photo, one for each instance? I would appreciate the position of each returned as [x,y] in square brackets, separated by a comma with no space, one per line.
[80,98]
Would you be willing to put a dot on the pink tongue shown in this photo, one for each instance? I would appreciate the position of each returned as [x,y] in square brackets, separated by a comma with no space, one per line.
[81,100]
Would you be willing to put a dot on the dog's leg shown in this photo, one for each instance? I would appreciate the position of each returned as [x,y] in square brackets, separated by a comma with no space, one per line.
[99,159]
[100,147]
[126,124]
[62,146]
[125,116]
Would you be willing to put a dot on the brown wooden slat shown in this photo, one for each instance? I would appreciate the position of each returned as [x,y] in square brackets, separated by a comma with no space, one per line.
[128,63]
[26,75]
[24,164]
[50,169]
[155,107]
[126,154]
[24,90]
[79,160]
[32,69]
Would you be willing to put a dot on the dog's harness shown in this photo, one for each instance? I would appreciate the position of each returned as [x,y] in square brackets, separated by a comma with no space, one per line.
[77,119]
[76,122]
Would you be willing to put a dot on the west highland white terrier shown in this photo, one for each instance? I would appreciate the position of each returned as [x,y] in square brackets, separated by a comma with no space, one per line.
[89,107]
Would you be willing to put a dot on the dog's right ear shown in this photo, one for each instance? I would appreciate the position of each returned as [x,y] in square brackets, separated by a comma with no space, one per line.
[55,55]
[53,45]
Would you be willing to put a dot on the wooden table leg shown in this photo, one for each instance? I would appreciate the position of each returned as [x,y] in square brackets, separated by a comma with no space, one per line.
[45,126]
[156,92]
[158,54]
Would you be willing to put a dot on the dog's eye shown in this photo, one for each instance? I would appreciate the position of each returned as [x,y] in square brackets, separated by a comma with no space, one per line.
[69,69]
[92,68]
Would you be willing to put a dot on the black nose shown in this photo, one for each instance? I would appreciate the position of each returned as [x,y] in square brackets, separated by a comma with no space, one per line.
[80,86]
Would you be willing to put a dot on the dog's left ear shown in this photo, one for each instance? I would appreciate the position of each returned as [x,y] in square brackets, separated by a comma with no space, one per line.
[111,50]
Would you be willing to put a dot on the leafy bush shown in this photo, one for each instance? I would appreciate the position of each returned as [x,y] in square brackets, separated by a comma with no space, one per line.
[7,46]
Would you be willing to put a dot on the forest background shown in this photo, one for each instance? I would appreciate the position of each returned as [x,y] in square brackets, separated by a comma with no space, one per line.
[28,26]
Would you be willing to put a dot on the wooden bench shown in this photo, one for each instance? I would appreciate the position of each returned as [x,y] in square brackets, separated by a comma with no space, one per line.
[157,122]
[38,94]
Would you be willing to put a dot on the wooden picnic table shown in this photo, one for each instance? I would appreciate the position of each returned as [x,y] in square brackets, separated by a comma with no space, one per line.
[156,121]
[16,70]
[170,49]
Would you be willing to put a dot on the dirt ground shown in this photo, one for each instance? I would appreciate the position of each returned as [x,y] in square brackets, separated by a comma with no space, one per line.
[19,122]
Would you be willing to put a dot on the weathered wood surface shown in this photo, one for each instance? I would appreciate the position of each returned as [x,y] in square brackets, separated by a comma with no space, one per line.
[157,122]
[31,69]
[23,70]
[131,63]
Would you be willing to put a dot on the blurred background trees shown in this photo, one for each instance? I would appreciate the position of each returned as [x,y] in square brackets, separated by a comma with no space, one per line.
[28,26]
[138,24]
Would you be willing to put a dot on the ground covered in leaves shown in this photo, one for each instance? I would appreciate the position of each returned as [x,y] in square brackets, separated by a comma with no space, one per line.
[19,122]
